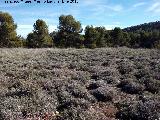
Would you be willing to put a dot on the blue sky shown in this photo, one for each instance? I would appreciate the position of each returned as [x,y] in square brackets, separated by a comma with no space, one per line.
[108,13]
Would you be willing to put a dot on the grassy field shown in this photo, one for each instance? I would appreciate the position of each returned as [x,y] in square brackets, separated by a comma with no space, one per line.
[79,84]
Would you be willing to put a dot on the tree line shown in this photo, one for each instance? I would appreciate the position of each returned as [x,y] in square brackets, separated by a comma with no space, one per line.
[69,34]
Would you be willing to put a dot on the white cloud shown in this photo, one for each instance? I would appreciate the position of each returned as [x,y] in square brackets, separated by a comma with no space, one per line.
[89,2]
[92,2]
[102,5]
[111,10]
[116,23]
[116,8]
[139,4]
[104,8]
[52,28]
[25,29]
[155,7]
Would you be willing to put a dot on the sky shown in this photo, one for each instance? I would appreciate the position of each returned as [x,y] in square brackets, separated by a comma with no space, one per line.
[107,13]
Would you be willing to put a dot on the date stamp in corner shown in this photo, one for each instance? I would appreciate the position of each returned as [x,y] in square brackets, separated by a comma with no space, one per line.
[40,1]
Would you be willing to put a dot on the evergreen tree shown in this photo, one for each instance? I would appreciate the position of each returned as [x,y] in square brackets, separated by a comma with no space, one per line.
[40,36]
[117,37]
[91,37]
[101,41]
[8,35]
[30,41]
[69,32]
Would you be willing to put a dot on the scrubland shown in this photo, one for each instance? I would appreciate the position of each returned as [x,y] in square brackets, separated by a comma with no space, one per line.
[79,84]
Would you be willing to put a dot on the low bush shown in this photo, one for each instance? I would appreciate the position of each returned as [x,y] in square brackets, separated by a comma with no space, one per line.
[148,110]
[131,87]
[103,94]
[152,86]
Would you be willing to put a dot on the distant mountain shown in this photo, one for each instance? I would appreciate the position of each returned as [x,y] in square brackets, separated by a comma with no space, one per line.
[144,27]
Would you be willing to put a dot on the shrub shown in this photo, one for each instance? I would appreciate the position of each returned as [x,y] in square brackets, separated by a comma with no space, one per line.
[125,67]
[152,86]
[142,73]
[93,86]
[103,94]
[131,87]
[148,110]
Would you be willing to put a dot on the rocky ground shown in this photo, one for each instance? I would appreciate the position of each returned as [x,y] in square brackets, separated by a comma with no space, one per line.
[79,84]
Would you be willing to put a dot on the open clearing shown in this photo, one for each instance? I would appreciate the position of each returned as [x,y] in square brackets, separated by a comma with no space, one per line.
[80,84]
